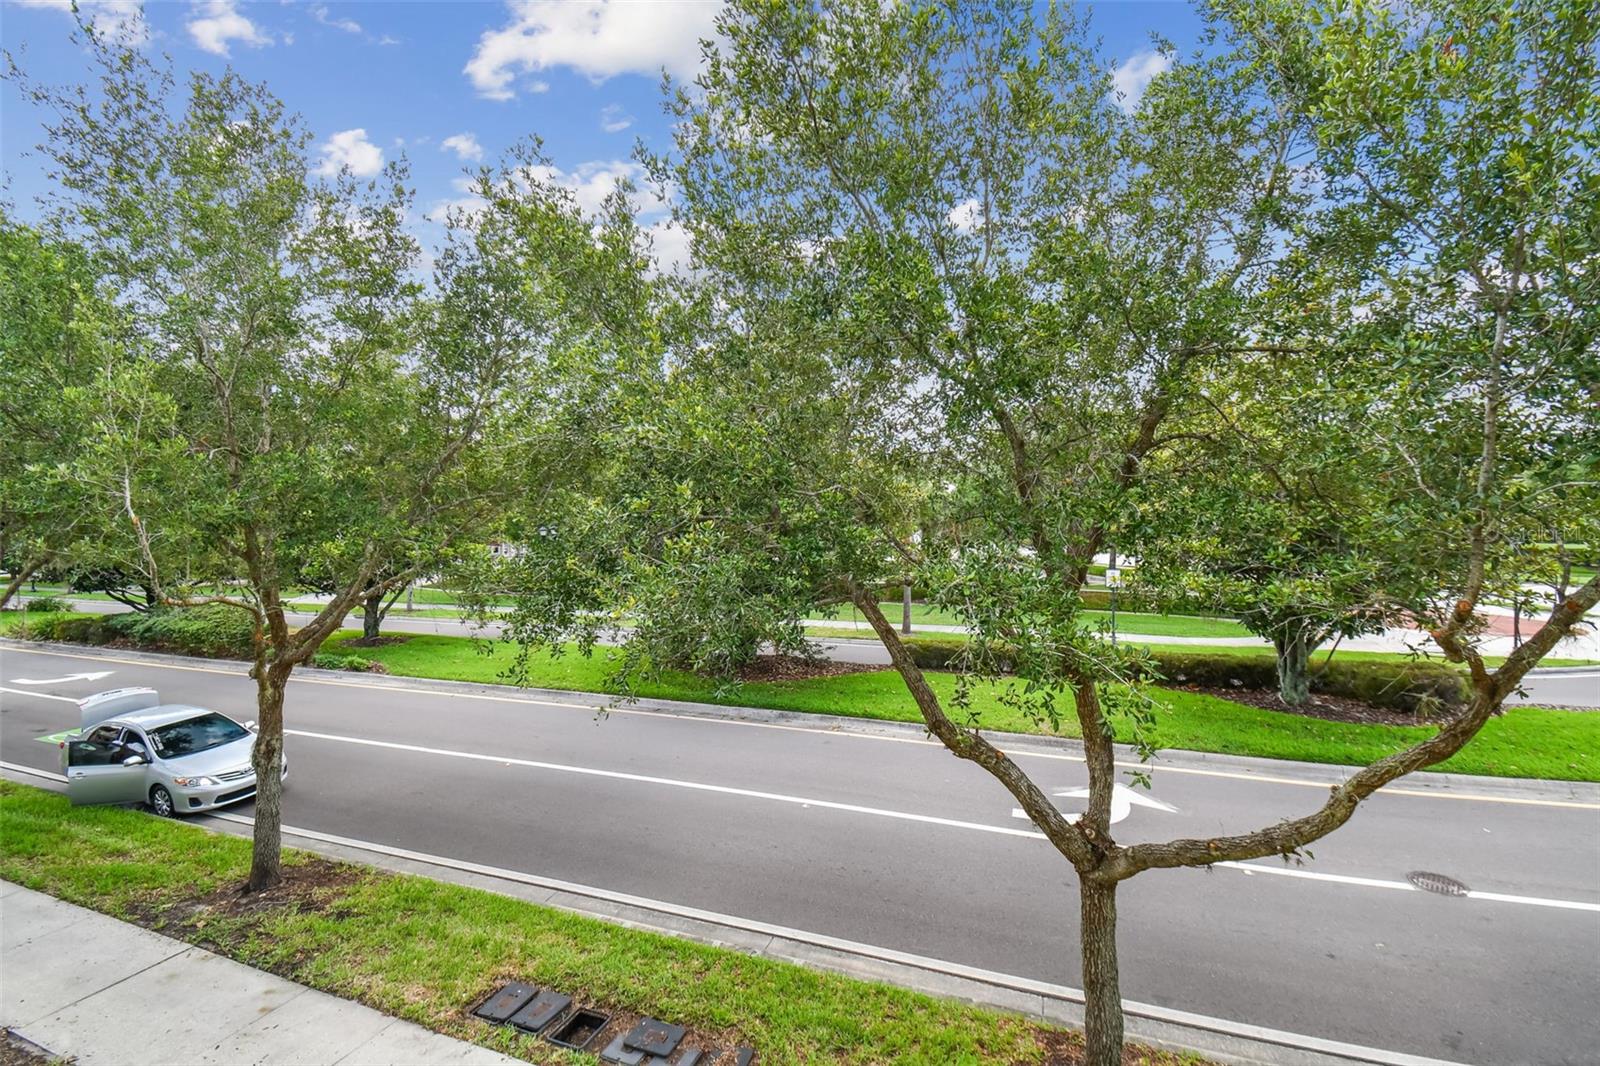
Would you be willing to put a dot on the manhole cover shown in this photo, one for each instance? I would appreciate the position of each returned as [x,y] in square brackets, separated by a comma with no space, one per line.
[1432,882]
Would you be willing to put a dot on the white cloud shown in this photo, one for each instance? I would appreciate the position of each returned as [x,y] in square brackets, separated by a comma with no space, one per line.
[1135,74]
[593,181]
[612,120]
[464,145]
[121,20]
[671,247]
[967,216]
[469,202]
[218,22]
[351,148]
[327,18]
[598,38]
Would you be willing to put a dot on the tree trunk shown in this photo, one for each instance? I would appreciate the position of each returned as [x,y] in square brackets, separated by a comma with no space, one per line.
[1102,993]
[266,857]
[1294,648]
[26,573]
[371,616]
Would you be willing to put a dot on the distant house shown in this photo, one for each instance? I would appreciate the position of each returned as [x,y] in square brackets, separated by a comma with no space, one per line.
[503,549]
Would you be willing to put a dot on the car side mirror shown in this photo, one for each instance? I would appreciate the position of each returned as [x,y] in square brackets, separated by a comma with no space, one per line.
[251,725]
[135,760]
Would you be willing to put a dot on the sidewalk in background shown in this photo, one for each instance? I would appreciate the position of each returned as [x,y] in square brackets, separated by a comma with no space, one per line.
[96,990]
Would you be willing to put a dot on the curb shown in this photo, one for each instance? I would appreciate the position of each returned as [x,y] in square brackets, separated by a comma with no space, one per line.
[1171,759]
[1221,1039]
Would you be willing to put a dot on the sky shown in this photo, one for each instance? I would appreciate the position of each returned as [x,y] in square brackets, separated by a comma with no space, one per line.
[448,85]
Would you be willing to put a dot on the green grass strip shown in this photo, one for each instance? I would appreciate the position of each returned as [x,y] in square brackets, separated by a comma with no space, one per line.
[1524,742]
[426,951]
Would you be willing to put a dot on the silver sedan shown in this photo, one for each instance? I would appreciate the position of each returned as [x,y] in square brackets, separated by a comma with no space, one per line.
[179,759]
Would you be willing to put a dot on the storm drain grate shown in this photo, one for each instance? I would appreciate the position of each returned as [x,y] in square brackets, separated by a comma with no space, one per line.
[1438,883]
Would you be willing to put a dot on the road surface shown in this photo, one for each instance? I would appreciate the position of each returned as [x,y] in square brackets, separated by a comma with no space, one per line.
[885,838]
[1562,687]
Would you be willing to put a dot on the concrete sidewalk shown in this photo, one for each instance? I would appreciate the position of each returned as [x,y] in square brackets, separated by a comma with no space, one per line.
[96,990]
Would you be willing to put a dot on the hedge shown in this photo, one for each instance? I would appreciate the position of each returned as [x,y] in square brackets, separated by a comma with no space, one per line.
[47,604]
[1411,687]
[215,630]
[330,661]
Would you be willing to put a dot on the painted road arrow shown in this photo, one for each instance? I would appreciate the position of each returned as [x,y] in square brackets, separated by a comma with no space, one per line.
[61,680]
[1123,799]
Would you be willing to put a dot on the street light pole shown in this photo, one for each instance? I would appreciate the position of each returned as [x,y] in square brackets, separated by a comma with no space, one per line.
[1113,582]
[905,608]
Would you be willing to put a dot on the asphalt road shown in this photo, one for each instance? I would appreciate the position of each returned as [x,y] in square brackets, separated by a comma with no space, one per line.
[1560,687]
[891,841]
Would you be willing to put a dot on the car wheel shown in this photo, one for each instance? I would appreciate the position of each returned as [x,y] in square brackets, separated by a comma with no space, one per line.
[161,802]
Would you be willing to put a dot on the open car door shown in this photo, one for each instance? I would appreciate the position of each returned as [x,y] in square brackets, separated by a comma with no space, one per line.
[102,768]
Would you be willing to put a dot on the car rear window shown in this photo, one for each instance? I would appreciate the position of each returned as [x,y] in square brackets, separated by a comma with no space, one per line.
[195,735]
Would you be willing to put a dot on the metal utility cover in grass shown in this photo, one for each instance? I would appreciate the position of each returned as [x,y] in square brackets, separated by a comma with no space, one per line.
[744,1056]
[619,1053]
[655,1036]
[506,1002]
[580,1027]
[541,1011]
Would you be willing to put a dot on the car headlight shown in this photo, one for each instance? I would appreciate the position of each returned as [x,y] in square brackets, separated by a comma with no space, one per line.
[193,782]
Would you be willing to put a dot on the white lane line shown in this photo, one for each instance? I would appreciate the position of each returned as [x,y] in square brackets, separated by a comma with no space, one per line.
[37,695]
[1247,868]
[854,808]
[696,786]
[1233,775]
[1407,886]
[1339,1049]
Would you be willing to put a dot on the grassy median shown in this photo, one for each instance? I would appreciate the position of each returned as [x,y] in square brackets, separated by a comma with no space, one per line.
[1524,742]
[427,951]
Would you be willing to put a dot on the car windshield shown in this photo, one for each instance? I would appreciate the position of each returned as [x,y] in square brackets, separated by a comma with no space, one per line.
[195,735]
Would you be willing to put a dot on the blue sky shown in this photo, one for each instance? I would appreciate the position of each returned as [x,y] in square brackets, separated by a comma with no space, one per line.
[445,83]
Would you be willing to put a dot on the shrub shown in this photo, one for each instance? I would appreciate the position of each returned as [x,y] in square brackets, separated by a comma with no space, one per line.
[1418,687]
[330,661]
[935,653]
[214,630]
[80,629]
[1413,687]
[47,603]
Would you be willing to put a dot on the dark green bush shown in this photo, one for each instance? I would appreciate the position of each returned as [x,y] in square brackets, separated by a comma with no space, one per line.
[215,630]
[934,653]
[70,627]
[47,604]
[1401,686]
[1411,687]
[330,661]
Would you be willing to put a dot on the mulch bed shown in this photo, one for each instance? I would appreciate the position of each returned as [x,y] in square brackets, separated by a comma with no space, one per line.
[796,668]
[1320,705]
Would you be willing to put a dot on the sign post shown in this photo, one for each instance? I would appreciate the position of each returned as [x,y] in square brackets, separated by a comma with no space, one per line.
[1113,583]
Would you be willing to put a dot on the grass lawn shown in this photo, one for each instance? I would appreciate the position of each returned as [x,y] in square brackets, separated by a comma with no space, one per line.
[1155,646]
[1524,742]
[427,951]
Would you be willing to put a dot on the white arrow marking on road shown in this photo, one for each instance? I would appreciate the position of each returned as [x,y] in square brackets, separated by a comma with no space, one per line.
[1122,800]
[62,680]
